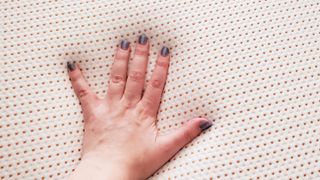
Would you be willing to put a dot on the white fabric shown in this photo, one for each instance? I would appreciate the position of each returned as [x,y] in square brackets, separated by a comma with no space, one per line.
[252,66]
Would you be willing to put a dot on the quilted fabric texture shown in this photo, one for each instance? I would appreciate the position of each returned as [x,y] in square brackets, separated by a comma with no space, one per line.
[252,66]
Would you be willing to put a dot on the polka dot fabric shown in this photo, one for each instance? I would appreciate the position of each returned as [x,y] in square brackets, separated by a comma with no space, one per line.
[252,66]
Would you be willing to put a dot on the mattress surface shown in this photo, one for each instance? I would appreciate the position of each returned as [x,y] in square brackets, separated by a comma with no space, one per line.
[251,66]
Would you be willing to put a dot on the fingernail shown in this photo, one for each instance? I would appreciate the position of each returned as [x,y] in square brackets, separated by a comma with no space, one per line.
[124,44]
[143,39]
[164,51]
[71,66]
[206,124]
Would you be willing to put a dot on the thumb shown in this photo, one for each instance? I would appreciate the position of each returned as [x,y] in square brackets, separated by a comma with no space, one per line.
[170,144]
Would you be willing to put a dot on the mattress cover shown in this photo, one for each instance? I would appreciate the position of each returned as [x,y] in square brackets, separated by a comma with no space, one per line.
[251,66]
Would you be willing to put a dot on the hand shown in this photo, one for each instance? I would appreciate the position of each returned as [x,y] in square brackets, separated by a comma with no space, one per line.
[121,140]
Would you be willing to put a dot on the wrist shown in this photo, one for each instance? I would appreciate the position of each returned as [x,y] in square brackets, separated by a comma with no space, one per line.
[95,167]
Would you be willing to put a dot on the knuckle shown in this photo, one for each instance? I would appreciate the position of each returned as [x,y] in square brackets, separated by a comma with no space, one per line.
[75,77]
[142,51]
[187,135]
[117,79]
[122,55]
[136,76]
[82,93]
[156,83]
[145,108]
[127,104]
[92,118]
[163,64]
[147,102]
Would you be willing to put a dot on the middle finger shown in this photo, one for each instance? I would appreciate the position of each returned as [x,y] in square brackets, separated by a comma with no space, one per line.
[137,71]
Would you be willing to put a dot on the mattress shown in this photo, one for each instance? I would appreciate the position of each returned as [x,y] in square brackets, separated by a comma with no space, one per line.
[251,66]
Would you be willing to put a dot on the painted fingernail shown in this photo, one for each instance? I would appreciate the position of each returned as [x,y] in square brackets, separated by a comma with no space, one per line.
[206,124]
[124,44]
[143,39]
[71,66]
[164,51]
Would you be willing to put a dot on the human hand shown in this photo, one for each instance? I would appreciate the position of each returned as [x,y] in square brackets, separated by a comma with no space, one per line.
[121,140]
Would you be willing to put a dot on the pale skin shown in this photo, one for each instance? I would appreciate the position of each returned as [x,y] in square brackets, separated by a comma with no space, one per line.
[121,139]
